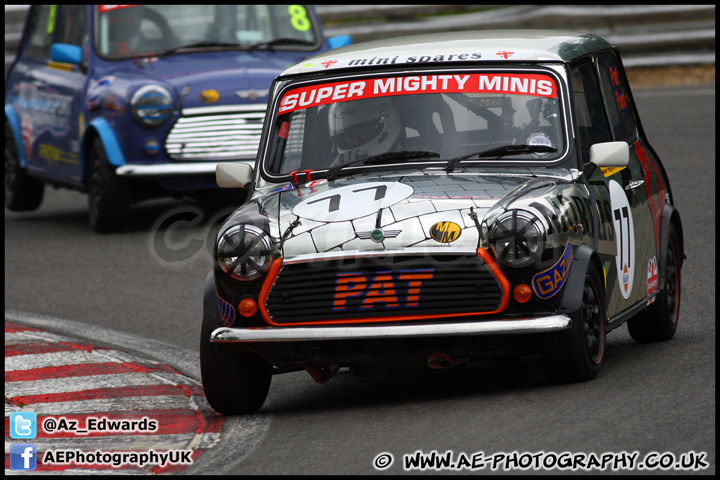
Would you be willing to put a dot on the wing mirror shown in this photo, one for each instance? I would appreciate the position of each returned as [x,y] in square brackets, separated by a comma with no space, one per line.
[233,175]
[65,53]
[339,41]
[607,154]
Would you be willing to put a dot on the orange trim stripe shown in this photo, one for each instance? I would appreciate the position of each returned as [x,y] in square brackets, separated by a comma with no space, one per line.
[267,285]
[504,284]
[482,253]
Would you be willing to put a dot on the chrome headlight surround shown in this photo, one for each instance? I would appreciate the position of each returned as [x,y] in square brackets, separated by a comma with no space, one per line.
[518,238]
[244,252]
[152,105]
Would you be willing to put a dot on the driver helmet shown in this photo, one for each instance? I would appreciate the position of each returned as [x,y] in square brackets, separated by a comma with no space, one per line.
[550,111]
[366,127]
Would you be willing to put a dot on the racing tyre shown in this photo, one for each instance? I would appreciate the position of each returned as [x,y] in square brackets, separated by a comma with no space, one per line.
[234,382]
[659,321]
[108,196]
[22,192]
[575,354]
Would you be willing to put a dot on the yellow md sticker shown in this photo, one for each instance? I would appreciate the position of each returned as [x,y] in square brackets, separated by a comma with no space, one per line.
[209,96]
[445,232]
[610,170]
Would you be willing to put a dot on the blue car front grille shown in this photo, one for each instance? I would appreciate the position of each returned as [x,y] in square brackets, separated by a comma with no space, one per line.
[216,133]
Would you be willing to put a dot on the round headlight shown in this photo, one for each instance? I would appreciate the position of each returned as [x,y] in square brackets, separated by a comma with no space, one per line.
[152,105]
[245,252]
[517,238]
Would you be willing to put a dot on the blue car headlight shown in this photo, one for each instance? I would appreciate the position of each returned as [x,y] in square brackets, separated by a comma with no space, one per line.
[152,105]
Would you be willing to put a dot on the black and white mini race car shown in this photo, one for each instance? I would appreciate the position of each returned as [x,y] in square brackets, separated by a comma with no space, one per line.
[434,200]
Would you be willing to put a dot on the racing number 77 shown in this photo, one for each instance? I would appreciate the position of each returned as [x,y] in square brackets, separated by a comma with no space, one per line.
[623,232]
[334,203]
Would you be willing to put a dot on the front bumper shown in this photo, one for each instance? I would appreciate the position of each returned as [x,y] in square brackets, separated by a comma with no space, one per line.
[547,324]
[169,169]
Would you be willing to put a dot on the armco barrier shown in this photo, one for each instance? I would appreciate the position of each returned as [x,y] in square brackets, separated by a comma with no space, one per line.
[648,35]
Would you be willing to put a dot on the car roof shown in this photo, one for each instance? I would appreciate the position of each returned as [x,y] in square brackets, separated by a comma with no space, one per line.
[492,45]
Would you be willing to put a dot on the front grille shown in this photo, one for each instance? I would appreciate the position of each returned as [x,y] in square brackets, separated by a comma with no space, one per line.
[216,133]
[383,289]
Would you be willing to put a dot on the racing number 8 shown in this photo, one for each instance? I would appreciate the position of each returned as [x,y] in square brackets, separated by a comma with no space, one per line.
[298,18]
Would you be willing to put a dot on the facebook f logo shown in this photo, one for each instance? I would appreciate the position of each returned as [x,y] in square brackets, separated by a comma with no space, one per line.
[23,456]
[23,425]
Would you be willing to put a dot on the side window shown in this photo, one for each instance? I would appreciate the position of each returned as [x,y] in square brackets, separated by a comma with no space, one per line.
[71,25]
[614,88]
[41,32]
[590,117]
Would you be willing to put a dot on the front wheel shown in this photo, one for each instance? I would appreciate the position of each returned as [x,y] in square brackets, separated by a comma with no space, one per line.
[234,382]
[659,321]
[22,192]
[108,196]
[575,354]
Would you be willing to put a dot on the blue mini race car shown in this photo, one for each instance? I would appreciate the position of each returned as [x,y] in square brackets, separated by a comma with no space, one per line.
[129,102]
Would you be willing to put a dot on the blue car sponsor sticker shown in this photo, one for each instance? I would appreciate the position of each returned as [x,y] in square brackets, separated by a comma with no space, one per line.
[549,282]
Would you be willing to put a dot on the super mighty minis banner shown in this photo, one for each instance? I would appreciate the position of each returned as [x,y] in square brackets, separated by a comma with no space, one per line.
[501,83]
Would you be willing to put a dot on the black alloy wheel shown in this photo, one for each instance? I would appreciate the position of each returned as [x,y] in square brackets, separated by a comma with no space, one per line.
[576,354]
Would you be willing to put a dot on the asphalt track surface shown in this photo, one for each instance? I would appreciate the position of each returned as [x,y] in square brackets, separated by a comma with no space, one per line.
[140,293]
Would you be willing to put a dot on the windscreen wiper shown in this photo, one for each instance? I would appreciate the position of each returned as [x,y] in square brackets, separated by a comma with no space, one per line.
[388,157]
[279,41]
[204,43]
[501,152]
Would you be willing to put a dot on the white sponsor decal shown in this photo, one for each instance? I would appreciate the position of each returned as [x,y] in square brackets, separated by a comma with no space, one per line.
[652,278]
[625,237]
[398,59]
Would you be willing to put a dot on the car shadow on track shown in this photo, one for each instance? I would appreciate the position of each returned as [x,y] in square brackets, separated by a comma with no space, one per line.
[298,392]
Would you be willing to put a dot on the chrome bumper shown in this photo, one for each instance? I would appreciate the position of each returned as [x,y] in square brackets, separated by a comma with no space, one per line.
[178,168]
[552,323]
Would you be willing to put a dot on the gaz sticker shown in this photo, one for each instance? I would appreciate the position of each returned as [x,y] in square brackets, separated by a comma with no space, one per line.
[546,284]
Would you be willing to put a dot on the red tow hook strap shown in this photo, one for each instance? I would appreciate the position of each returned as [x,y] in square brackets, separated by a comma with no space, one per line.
[441,360]
[294,175]
[322,373]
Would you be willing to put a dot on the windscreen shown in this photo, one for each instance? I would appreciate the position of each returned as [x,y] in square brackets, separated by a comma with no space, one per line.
[330,124]
[134,29]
